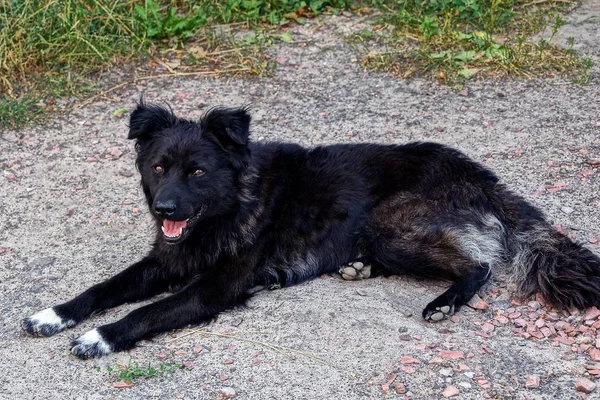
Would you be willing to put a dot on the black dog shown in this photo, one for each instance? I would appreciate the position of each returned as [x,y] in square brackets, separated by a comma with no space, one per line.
[232,216]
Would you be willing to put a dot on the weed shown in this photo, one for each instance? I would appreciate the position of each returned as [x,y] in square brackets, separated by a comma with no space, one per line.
[455,40]
[131,371]
[51,48]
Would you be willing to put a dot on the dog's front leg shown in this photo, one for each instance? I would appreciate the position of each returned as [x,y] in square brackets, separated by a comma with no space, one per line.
[141,280]
[198,302]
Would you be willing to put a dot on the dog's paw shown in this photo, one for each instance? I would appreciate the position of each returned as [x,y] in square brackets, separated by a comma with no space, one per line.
[90,345]
[438,310]
[355,271]
[45,323]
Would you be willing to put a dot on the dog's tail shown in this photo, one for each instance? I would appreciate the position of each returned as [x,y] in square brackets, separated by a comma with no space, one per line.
[566,274]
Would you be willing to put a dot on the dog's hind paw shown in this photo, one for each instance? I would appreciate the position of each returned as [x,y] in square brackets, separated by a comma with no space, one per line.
[45,323]
[90,345]
[355,270]
[438,310]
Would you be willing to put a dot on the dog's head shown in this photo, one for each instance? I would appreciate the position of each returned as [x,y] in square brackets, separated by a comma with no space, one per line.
[189,169]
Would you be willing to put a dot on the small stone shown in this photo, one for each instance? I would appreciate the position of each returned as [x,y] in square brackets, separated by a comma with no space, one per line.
[500,305]
[540,323]
[385,388]
[126,173]
[400,388]
[451,354]
[477,303]
[450,391]
[469,374]
[591,313]
[567,210]
[463,367]
[122,384]
[446,372]
[227,392]
[533,382]
[409,360]
[180,353]
[594,354]
[534,305]
[115,153]
[583,340]
[465,385]
[487,327]
[585,385]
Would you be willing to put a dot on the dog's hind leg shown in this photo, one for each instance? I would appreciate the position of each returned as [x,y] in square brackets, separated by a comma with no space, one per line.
[459,293]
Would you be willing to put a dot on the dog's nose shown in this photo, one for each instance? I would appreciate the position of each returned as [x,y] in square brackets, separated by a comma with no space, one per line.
[165,208]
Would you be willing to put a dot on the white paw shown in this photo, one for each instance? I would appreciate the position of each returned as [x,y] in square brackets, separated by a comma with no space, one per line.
[90,345]
[45,323]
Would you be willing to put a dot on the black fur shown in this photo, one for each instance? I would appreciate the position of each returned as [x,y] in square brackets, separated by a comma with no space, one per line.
[275,213]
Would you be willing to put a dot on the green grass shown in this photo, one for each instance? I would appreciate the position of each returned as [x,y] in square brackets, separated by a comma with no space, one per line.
[54,48]
[456,40]
[133,371]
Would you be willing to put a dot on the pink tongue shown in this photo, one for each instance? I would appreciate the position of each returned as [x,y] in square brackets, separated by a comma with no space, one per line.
[171,228]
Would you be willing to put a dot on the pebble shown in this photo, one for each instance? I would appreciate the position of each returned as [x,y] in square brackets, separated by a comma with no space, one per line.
[591,313]
[534,305]
[594,354]
[585,385]
[583,340]
[451,354]
[400,388]
[409,360]
[477,303]
[450,391]
[487,327]
[532,382]
[227,392]
[567,210]
[446,372]
[500,305]
[465,385]
[463,367]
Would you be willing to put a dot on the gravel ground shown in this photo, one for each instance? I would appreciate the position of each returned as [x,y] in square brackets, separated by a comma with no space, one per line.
[72,214]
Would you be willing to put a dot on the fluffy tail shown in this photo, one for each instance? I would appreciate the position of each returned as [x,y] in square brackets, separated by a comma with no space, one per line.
[566,274]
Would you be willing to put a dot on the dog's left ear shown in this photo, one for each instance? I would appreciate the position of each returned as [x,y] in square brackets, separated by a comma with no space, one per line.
[231,126]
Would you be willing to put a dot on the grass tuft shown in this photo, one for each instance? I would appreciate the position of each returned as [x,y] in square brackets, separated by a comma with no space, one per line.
[55,48]
[456,40]
[132,370]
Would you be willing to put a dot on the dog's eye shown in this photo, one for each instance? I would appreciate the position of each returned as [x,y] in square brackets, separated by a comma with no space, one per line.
[158,169]
[198,172]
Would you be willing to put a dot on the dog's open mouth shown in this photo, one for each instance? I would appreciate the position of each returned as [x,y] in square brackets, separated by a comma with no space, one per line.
[176,231]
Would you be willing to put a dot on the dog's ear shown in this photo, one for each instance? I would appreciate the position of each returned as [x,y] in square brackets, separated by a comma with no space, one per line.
[147,119]
[231,126]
